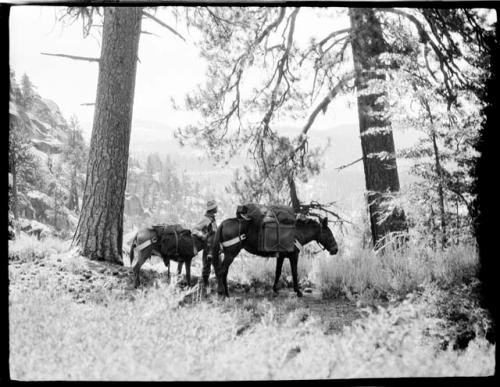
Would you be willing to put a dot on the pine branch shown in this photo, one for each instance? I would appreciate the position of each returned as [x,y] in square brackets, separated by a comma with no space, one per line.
[163,24]
[445,64]
[322,106]
[149,33]
[75,57]
[271,26]
[348,165]
[333,34]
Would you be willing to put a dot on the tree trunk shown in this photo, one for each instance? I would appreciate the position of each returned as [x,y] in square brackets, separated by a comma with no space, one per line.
[377,143]
[100,227]
[439,172]
[73,193]
[293,194]
[440,190]
[15,199]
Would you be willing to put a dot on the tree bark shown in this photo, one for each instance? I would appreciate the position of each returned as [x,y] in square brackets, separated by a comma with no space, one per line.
[73,193]
[15,199]
[377,143]
[439,172]
[440,190]
[99,233]
[293,194]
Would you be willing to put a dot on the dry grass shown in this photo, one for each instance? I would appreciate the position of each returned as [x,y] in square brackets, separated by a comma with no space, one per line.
[250,269]
[29,248]
[361,273]
[146,335]
[52,338]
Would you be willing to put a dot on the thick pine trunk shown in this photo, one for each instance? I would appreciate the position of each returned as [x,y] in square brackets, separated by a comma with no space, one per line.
[100,227]
[377,143]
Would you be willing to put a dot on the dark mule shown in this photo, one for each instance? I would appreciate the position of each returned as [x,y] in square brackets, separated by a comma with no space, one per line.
[236,234]
[147,234]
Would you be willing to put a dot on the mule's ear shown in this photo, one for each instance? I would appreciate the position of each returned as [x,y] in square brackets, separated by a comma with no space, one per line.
[325,221]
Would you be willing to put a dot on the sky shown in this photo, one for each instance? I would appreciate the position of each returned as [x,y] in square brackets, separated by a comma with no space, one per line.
[168,69]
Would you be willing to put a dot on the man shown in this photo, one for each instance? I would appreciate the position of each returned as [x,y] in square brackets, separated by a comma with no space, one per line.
[206,229]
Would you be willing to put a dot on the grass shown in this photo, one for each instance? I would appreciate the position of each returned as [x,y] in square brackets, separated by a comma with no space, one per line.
[252,270]
[28,248]
[52,338]
[362,273]
[146,335]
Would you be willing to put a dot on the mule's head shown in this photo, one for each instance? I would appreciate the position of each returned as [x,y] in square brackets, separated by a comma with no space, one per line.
[326,238]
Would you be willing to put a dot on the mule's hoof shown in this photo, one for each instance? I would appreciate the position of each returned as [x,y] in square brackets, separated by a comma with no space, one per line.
[276,292]
[299,293]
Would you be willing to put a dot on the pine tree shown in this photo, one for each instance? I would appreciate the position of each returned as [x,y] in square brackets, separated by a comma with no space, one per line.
[100,227]
[377,143]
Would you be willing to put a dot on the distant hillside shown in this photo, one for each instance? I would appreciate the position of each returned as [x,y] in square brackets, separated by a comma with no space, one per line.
[51,174]
[345,186]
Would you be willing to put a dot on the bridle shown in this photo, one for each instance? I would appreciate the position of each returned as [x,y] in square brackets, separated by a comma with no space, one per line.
[320,236]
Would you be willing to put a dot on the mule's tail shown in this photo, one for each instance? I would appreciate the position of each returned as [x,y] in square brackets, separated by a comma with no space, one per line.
[132,248]
[216,249]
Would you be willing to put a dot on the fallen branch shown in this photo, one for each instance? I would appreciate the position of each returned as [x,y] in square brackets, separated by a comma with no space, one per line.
[88,104]
[314,205]
[75,57]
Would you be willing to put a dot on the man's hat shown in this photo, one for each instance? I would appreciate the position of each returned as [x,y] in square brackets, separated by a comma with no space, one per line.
[211,205]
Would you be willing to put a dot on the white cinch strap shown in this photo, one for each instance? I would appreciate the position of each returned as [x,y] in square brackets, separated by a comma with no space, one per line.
[143,245]
[233,241]
[297,244]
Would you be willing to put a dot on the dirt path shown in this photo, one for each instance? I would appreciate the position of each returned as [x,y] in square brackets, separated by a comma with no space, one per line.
[93,282]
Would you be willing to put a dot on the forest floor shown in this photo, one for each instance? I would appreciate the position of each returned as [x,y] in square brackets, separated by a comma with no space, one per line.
[75,319]
[86,280]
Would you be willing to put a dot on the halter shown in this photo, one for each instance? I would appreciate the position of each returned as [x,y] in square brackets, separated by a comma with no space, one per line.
[320,236]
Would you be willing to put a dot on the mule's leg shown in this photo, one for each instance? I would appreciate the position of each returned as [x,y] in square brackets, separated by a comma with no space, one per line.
[188,272]
[279,265]
[205,271]
[221,290]
[178,276]
[293,265]
[143,255]
[228,259]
